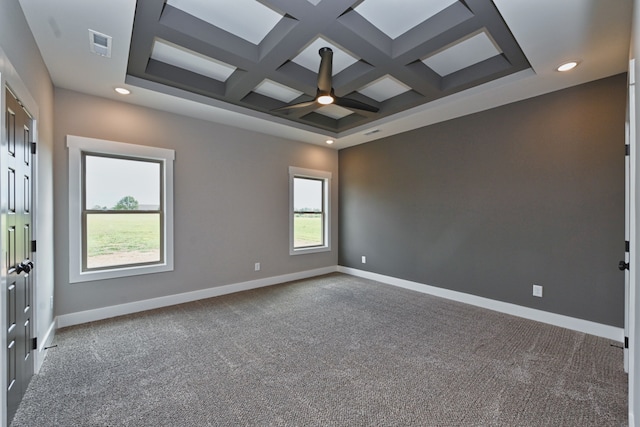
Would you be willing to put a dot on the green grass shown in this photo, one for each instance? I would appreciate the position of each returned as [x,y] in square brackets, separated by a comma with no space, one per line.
[307,230]
[121,233]
[117,233]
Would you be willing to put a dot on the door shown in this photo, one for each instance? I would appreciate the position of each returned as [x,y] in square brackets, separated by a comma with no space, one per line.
[16,194]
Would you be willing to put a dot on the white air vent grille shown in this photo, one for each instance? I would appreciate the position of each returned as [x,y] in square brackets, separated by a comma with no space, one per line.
[99,43]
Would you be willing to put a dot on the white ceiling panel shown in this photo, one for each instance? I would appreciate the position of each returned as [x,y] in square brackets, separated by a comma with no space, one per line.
[277,91]
[334,111]
[462,55]
[384,88]
[248,19]
[177,56]
[395,18]
[310,59]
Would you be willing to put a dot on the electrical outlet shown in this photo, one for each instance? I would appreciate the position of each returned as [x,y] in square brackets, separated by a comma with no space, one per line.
[537,291]
[51,302]
[364,259]
[257,266]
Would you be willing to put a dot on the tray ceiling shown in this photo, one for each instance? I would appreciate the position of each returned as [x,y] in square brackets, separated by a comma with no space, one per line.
[263,55]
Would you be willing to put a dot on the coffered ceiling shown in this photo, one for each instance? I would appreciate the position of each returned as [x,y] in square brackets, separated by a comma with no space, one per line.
[417,61]
[390,55]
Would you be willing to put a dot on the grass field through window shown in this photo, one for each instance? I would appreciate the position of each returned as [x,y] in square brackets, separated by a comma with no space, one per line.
[121,239]
[307,230]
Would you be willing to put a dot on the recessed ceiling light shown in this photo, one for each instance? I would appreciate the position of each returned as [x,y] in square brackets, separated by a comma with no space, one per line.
[122,91]
[329,141]
[567,66]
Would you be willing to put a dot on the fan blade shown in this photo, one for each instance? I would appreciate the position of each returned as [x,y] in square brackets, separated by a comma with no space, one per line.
[295,106]
[324,73]
[356,105]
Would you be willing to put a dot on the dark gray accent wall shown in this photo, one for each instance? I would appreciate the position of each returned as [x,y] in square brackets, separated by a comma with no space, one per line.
[491,203]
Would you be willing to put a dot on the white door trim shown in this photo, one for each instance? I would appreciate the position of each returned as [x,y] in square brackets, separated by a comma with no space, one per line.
[632,303]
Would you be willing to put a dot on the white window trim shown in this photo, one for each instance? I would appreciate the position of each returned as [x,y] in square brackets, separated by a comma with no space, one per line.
[316,174]
[77,145]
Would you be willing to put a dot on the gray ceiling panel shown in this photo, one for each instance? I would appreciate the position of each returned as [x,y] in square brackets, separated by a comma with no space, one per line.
[376,56]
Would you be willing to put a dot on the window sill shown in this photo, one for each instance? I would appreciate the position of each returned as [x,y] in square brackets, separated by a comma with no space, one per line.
[303,251]
[114,273]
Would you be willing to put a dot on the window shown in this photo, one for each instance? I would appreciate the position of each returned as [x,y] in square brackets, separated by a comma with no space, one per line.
[120,209]
[309,210]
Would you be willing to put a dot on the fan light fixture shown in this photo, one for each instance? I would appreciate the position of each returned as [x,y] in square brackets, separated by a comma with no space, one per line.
[325,99]
[324,94]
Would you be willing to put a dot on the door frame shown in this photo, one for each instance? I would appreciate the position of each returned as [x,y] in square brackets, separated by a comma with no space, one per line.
[627,232]
[10,78]
[630,329]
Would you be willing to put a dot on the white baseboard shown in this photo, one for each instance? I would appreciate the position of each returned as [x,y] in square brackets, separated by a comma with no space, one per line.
[45,341]
[580,325]
[150,304]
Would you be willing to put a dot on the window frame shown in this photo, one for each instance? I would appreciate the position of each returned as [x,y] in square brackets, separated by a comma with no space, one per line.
[325,177]
[79,147]
[89,211]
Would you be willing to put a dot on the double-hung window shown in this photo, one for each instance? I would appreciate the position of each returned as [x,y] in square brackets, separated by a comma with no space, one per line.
[309,210]
[120,209]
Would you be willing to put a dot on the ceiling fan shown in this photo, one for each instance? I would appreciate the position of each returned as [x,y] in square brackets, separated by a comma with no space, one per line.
[325,94]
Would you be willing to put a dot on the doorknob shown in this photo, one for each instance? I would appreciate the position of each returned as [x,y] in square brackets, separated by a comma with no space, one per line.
[22,268]
[622,266]
[25,266]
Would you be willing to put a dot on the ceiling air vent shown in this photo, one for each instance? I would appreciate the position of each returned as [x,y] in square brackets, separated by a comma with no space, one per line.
[99,43]
[371,132]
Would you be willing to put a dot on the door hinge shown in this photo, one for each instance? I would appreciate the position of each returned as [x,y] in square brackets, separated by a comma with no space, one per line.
[627,149]
[626,342]
[33,148]
[33,246]
[626,246]
[34,343]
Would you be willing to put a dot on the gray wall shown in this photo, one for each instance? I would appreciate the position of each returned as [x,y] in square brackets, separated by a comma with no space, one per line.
[22,57]
[490,203]
[231,195]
